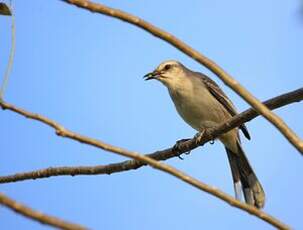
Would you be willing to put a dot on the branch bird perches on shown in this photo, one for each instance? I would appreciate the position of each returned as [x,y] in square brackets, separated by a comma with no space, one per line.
[186,146]
[274,103]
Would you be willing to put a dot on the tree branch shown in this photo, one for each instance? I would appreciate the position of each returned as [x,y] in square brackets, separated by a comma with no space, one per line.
[37,216]
[276,102]
[145,159]
[211,65]
[11,54]
[61,131]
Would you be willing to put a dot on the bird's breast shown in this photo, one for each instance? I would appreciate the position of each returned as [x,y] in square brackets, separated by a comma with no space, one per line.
[196,108]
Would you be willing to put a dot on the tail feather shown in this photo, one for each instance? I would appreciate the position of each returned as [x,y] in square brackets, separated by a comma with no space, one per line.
[243,174]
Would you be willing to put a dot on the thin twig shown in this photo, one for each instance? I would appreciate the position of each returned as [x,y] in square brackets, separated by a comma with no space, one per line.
[276,102]
[61,131]
[11,56]
[211,65]
[37,216]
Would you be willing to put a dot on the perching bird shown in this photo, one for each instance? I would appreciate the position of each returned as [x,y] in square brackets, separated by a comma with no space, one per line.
[202,104]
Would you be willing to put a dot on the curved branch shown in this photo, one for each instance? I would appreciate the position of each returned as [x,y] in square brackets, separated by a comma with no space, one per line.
[37,216]
[61,131]
[276,102]
[211,65]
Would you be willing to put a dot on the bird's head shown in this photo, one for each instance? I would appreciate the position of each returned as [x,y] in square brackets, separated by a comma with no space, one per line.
[168,72]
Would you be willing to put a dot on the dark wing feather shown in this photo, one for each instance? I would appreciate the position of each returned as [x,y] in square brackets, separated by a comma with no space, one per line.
[215,90]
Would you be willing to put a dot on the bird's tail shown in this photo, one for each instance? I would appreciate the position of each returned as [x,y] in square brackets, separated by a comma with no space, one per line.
[245,178]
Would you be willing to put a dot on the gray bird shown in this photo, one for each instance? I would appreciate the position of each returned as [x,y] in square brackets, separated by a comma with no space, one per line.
[202,104]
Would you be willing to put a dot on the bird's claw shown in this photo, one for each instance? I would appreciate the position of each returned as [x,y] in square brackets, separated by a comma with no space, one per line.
[176,147]
[187,153]
[181,158]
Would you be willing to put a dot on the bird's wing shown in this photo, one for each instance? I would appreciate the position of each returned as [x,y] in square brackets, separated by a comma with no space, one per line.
[215,90]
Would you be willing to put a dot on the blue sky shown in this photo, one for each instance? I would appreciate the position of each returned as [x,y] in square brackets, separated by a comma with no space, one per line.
[85,71]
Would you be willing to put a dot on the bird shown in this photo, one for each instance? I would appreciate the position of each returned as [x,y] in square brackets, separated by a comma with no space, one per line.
[203,105]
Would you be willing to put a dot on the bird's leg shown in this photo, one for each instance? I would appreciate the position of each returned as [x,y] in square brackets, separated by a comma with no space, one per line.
[204,133]
[176,147]
[199,136]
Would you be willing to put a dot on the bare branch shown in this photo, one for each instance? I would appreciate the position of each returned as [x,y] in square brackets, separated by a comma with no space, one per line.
[37,216]
[61,131]
[11,53]
[276,102]
[145,159]
[211,65]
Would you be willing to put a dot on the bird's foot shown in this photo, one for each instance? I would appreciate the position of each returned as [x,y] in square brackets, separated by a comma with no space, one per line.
[176,147]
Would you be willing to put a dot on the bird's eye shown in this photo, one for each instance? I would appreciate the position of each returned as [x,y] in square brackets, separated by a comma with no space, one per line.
[167,67]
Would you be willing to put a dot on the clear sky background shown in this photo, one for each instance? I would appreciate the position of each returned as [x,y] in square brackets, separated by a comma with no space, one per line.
[85,71]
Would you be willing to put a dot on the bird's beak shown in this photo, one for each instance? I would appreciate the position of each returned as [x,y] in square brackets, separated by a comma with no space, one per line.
[152,75]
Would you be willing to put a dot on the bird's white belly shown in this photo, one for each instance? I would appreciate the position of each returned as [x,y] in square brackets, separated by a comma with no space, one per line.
[198,112]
